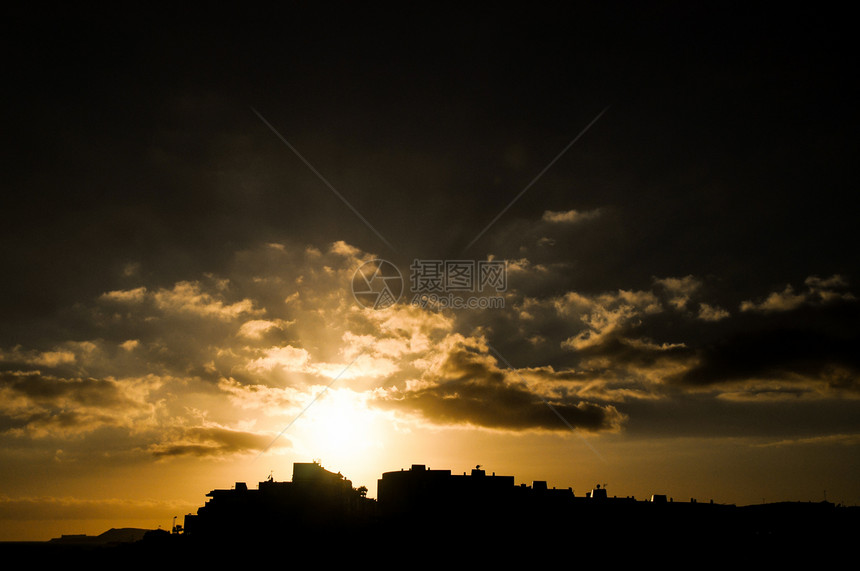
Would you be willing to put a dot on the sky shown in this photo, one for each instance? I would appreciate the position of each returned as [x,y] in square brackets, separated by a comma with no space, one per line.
[221,233]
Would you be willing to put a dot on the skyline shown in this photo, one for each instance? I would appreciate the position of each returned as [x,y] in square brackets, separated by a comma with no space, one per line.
[188,206]
[320,509]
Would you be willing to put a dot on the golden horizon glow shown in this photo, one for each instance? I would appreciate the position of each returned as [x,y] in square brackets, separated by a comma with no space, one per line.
[340,429]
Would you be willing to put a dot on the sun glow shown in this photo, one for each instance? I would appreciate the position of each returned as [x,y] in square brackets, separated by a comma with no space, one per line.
[340,428]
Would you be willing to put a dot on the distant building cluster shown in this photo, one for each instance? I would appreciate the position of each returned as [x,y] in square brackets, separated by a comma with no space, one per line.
[419,503]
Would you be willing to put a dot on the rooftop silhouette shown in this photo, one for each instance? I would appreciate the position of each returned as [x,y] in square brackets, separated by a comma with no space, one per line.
[418,506]
[434,515]
[315,499]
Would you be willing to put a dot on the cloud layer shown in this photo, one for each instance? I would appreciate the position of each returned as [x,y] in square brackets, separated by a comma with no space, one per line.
[218,365]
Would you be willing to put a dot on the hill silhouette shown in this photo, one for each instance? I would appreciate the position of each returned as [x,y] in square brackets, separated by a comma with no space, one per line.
[110,537]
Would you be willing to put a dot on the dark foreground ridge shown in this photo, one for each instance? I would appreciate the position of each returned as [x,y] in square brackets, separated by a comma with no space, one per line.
[424,515]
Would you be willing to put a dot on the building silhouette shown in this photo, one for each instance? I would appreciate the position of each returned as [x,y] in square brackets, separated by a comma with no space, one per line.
[420,510]
[315,500]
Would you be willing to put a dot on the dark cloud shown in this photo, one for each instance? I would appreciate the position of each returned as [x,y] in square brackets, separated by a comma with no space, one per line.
[632,352]
[213,441]
[777,414]
[814,347]
[40,405]
[148,153]
[469,389]
[41,388]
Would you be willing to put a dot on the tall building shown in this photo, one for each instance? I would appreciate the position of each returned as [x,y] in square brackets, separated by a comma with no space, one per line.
[314,501]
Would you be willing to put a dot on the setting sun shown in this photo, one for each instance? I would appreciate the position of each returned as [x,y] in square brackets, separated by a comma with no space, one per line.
[339,429]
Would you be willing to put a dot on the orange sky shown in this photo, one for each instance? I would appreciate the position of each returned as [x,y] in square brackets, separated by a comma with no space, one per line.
[649,265]
[143,445]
